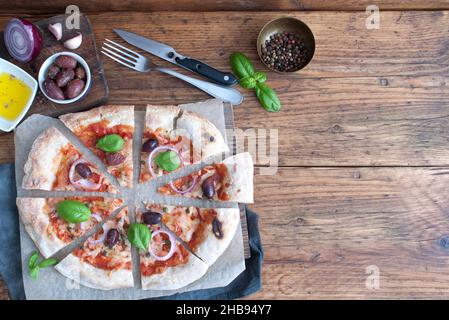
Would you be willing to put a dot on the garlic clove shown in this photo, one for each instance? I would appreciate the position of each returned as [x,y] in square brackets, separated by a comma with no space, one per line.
[56,30]
[74,43]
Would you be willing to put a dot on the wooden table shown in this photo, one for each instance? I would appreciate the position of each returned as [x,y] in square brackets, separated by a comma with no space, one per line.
[363,177]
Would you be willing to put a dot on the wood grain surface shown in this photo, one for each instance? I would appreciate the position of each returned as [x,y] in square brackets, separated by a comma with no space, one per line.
[323,227]
[363,143]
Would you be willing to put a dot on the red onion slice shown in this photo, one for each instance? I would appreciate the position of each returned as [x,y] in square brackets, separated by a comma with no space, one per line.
[81,183]
[156,150]
[192,185]
[22,39]
[96,216]
[101,238]
[172,246]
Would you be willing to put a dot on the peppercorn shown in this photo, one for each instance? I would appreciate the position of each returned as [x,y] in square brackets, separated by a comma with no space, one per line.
[284,52]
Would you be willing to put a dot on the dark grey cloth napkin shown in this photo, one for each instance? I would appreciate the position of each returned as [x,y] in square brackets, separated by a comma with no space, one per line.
[246,283]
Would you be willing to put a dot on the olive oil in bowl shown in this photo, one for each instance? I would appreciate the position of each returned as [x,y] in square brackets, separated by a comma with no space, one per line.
[14,96]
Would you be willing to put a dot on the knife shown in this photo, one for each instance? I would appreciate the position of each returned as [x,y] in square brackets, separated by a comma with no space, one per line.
[182,242]
[166,52]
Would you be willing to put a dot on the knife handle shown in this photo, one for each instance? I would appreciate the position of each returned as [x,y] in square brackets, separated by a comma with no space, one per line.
[224,78]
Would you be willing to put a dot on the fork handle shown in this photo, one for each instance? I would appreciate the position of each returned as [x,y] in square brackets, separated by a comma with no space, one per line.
[224,93]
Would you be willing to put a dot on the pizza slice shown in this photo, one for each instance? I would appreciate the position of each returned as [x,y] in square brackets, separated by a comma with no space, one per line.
[53,223]
[55,164]
[230,180]
[174,138]
[103,261]
[107,131]
[167,264]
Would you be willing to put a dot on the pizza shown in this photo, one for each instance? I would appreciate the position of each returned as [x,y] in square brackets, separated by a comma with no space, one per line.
[230,180]
[50,223]
[108,132]
[78,205]
[167,264]
[103,261]
[174,138]
[55,164]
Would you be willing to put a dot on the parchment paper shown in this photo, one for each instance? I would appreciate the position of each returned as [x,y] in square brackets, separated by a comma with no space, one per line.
[52,285]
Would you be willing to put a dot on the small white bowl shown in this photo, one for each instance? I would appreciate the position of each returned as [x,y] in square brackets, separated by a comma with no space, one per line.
[20,74]
[43,74]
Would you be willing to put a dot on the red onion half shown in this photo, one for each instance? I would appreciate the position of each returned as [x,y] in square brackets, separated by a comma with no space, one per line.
[22,39]
[172,246]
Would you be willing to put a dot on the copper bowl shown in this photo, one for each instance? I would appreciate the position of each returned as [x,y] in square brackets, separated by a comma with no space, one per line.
[292,25]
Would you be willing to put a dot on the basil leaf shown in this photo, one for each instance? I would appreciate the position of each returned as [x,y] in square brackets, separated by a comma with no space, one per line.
[73,211]
[34,272]
[168,161]
[268,97]
[111,143]
[47,263]
[139,235]
[32,262]
[241,65]
[260,77]
[248,82]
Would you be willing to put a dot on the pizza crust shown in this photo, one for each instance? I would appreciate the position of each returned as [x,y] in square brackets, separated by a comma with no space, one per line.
[204,135]
[43,160]
[114,114]
[160,117]
[36,221]
[241,172]
[175,277]
[212,247]
[87,275]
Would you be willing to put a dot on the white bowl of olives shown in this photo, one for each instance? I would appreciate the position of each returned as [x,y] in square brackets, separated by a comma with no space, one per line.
[64,77]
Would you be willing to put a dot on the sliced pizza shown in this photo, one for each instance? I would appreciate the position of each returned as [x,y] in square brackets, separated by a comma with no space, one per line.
[103,261]
[53,223]
[55,164]
[230,180]
[174,138]
[167,264]
[107,131]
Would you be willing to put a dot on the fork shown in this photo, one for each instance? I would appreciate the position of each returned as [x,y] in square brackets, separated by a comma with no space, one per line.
[138,62]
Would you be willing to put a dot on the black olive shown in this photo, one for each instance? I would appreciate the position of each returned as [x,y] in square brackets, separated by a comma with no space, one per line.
[151,217]
[83,170]
[112,238]
[52,71]
[150,145]
[208,187]
[217,228]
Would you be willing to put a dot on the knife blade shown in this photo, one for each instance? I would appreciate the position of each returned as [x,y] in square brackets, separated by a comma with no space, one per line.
[169,54]
[182,242]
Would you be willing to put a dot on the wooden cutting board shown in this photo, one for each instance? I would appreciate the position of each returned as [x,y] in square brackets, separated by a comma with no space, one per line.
[99,90]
